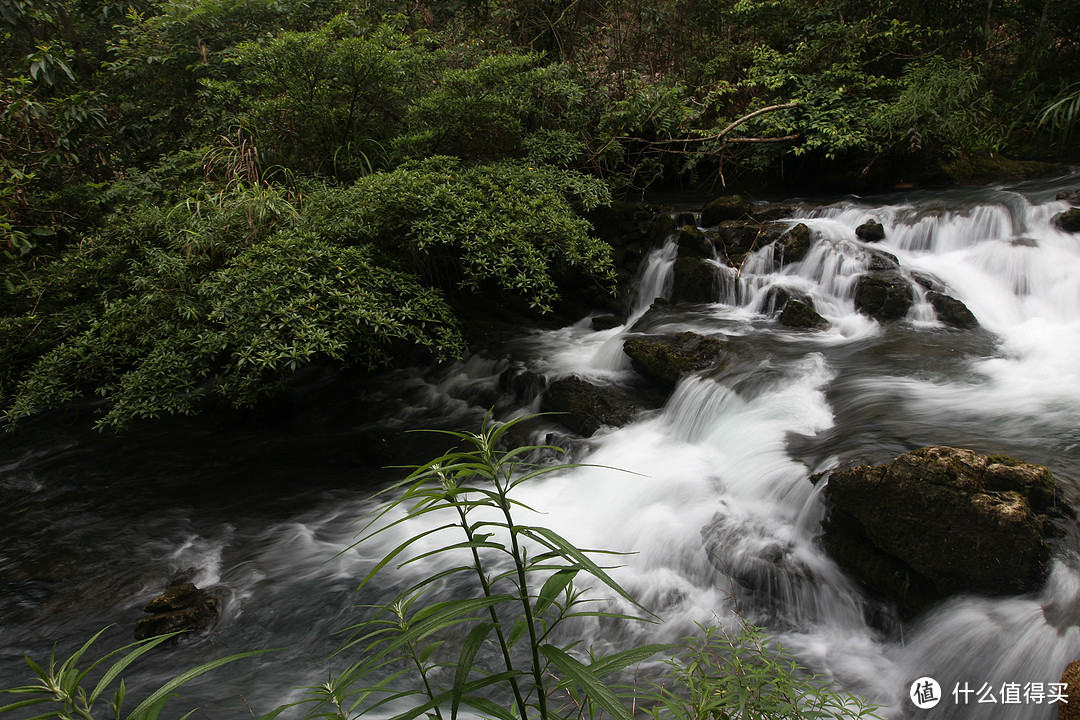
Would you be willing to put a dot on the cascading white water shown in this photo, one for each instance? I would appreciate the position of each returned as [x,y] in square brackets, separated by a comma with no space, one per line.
[717,508]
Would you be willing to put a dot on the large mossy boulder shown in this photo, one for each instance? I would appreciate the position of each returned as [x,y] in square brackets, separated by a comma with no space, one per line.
[884,295]
[726,207]
[695,281]
[792,246]
[587,406]
[181,608]
[1069,221]
[693,243]
[939,521]
[666,358]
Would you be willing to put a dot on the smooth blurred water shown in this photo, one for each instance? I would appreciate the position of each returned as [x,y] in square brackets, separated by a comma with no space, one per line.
[717,509]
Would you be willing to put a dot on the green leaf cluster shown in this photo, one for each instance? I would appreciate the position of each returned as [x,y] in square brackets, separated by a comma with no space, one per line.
[228,294]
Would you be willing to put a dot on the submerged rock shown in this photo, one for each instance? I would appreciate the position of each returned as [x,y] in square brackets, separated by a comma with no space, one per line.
[1070,196]
[666,358]
[182,607]
[884,295]
[870,231]
[589,407]
[951,311]
[940,520]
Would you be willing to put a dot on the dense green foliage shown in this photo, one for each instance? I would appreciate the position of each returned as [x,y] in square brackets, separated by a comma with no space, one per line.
[168,166]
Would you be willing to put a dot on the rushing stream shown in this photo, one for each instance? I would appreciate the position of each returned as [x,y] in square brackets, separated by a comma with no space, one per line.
[718,510]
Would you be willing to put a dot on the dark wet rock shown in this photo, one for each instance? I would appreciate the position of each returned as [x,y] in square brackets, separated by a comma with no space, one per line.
[666,358]
[727,207]
[870,231]
[735,238]
[792,246]
[883,295]
[926,281]
[939,521]
[771,212]
[684,218]
[777,297]
[1069,221]
[181,608]
[692,243]
[1070,196]
[589,406]
[881,261]
[800,315]
[606,322]
[694,281]
[951,311]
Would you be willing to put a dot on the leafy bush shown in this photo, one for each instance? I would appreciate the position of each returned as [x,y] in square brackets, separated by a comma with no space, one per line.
[65,689]
[230,292]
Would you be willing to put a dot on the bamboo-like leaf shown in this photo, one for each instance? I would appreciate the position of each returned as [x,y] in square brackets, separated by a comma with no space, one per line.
[141,712]
[489,708]
[516,632]
[626,658]
[469,688]
[472,644]
[24,703]
[397,551]
[557,542]
[118,667]
[587,680]
[553,586]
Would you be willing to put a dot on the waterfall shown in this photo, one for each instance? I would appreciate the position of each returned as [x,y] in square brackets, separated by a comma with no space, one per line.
[711,494]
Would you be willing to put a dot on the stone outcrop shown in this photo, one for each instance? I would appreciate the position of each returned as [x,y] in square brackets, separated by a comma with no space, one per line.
[666,358]
[589,406]
[870,231]
[883,295]
[182,607]
[940,520]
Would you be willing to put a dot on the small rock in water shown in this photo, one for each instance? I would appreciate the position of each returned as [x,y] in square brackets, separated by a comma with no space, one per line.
[182,607]
[951,311]
[1070,196]
[870,231]
[801,315]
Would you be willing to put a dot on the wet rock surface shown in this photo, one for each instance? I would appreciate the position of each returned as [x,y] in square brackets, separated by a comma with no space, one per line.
[939,521]
[181,608]
[666,358]
[588,406]
[884,295]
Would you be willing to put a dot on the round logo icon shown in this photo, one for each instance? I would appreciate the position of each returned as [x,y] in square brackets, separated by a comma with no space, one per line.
[925,693]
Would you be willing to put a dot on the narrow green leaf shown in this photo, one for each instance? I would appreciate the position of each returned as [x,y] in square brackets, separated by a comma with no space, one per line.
[587,681]
[123,663]
[23,703]
[472,644]
[163,692]
[552,588]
